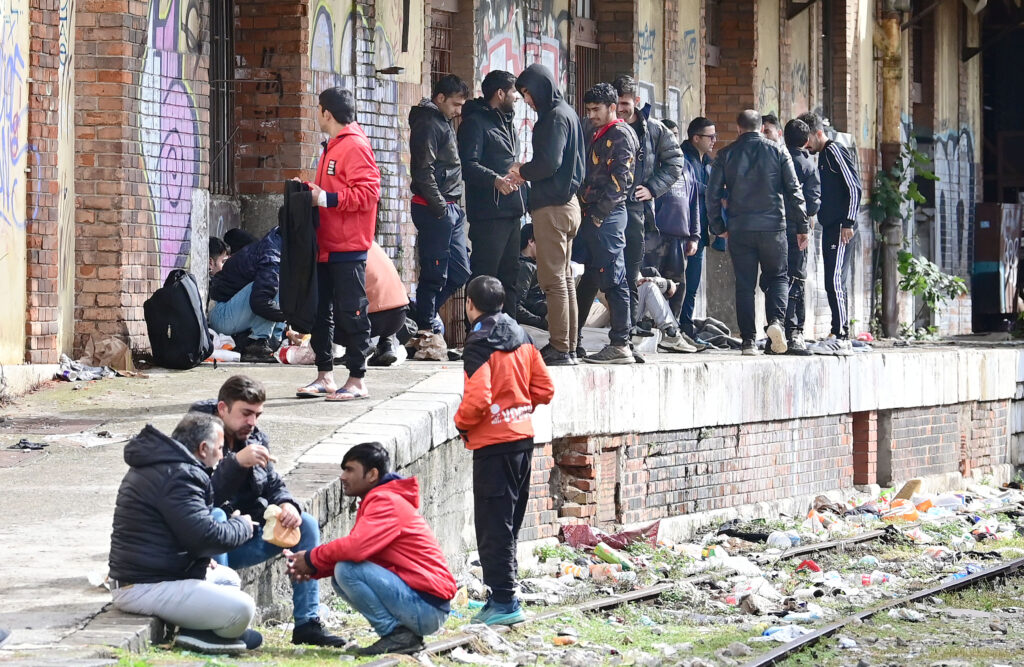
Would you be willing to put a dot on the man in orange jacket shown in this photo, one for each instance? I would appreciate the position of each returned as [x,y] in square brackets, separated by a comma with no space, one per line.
[346,192]
[390,567]
[505,380]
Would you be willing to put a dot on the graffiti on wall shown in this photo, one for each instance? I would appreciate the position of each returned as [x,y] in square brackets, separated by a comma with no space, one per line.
[502,43]
[331,44]
[645,40]
[169,125]
[767,92]
[954,197]
[66,177]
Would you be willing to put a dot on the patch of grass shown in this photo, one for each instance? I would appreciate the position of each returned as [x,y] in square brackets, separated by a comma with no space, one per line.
[815,656]
[984,598]
[546,552]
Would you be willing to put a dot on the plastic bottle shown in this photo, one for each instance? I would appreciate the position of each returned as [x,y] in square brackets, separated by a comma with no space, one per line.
[971,568]
[868,561]
[609,555]
[779,540]
[601,572]
[875,578]
[572,570]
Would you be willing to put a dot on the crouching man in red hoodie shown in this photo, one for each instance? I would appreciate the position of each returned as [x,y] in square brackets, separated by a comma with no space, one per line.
[390,567]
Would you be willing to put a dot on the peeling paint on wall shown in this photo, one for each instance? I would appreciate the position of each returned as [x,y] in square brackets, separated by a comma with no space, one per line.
[66,179]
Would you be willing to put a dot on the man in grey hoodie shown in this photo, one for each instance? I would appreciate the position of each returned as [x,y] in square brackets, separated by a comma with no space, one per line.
[554,173]
[436,188]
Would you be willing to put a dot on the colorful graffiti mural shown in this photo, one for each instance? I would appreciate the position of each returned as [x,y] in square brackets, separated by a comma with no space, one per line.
[169,126]
[331,44]
[14,150]
[955,197]
[66,178]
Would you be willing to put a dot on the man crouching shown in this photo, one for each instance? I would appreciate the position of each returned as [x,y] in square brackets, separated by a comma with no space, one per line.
[390,567]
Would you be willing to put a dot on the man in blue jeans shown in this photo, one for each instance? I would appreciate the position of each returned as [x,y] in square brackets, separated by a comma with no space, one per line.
[245,298]
[246,482]
[390,568]
[700,140]
[436,173]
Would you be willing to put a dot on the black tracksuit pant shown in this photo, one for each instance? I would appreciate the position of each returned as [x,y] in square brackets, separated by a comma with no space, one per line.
[767,251]
[797,271]
[501,491]
[341,316]
[495,252]
[833,252]
[634,256]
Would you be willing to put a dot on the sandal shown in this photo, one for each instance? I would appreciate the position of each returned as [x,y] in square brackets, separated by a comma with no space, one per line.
[343,395]
[314,389]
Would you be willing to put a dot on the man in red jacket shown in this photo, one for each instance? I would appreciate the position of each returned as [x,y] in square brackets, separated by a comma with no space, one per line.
[505,380]
[390,567]
[346,191]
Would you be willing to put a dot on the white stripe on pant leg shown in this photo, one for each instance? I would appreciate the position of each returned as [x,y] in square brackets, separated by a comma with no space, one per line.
[837,284]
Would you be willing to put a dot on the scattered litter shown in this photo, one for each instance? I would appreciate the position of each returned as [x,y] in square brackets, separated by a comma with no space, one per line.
[785,633]
[904,614]
[26,445]
[579,536]
[846,643]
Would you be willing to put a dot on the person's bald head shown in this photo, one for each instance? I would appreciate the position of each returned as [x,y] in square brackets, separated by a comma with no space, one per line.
[748,121]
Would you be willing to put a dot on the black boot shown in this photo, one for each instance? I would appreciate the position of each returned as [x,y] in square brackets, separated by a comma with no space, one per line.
[402,640]
[313,632]
[384,355]
[257,352]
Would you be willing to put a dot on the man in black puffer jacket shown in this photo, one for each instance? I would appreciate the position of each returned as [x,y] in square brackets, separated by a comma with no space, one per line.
[245,297]
[488,147]
[164,535]
[436,188]
[757,178]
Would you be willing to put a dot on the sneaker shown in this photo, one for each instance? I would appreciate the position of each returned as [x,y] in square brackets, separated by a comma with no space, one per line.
[500,613]
[777,336]
[612,354]
[258,352]
[205,641]
[402,641]
[842,346]
[644,328]
[313,632]
[384,354]
[797,346]
[437,325]
[553,357]
[698,346]
[581,352]
[675,344]
[749,348]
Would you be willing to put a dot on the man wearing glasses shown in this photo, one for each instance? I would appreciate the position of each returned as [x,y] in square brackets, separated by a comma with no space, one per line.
[700,140]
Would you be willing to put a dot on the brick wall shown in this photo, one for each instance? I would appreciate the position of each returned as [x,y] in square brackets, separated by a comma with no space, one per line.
[989,443]
[865,447]
[729,88]
[925,441]
[616,37]
[541,520]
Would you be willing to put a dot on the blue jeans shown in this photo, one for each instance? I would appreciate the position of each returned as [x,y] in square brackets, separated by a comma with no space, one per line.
[603,252]
[694,265]
[235,316]
[444,260]
[305,594]
[384,599]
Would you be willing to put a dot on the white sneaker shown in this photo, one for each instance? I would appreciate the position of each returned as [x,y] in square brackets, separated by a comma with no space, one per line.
[778,338]
[675,344]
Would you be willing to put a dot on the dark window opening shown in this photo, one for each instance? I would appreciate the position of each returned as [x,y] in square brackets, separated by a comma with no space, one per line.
[440,45]
[222,98]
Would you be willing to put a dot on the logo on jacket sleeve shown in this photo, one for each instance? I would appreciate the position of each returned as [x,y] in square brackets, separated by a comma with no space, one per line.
[331,164]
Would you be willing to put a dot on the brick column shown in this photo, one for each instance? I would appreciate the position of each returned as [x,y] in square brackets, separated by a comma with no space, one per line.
[730,86]
[616,36]
[865,447]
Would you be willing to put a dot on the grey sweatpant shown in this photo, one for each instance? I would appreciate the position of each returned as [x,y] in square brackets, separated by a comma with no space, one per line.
[216,603]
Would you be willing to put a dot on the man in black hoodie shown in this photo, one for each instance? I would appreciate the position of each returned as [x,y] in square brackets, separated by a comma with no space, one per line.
[164,536]
[488,147]
[796,134]
[554,174]
[436,188]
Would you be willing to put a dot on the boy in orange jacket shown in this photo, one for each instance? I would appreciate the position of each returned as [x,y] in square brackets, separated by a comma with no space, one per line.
[505,380]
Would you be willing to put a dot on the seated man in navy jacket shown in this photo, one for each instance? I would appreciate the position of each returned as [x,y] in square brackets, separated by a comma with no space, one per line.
[245,298]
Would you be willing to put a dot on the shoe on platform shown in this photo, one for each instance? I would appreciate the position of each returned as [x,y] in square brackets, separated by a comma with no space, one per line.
[676,344]
[258,352]
[776,338]
[749,348]
[206,641]
[383,354]
[402,641]
[313,632]
[500,613]
[612,354]
[553,357]
[797,346]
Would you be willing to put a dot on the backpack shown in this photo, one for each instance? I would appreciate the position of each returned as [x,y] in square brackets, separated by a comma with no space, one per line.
[178,332]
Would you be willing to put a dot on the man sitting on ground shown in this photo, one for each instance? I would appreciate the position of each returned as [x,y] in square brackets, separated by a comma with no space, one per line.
[164,536]
[389,305]
[247,482]
[656,294]
[531,306]
[390,567]
[245,298]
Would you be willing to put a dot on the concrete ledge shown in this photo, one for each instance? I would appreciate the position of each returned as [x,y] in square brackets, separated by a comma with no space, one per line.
[18,379]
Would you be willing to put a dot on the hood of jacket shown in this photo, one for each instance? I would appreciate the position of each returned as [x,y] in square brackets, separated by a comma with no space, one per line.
[480,105]
[543,88]
[498,332]
[151,447]
[425,111]
[406,488]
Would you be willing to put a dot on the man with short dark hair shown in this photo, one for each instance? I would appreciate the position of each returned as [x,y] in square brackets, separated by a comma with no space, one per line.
[531,306]
[505,380]
[488,147]
[247,482]
[757,177]
[164,536]
[796,134]
[219,254]
[659,163]
[390,567]
[771,128]
[700,140]
[554,173]
[840,202]
[436,187]
[611,160]
[345,196]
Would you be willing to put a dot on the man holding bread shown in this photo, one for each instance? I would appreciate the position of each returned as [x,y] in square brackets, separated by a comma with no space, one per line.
[246,482]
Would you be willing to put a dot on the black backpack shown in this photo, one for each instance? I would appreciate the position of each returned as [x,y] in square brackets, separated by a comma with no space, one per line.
[178,332]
